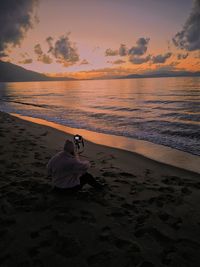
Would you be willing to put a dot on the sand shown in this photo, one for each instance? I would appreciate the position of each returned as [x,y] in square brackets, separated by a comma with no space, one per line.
[148,215]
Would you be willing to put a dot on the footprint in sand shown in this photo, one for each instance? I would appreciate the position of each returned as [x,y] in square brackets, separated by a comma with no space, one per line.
[147,172]
[37,156]
[67,246]
[87,217]
[127,244]
[2,135]
[165,199]
[186,191]
[33,251]
[121,181]
[38,263]
[38,164]
[116,212]
[4,258]
[2,161]
[129,207]
[163,216]
[172,180]
[110,174]
[34,234]
[170,220]
[102,258]
[160,237]
[44,134]
[67,217]
[105,234]
[45,243]
[127,174]
[146,264]
[176,223]
[166,189]
[21,129]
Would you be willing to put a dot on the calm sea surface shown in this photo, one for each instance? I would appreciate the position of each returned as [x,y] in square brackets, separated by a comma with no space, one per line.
[160,110]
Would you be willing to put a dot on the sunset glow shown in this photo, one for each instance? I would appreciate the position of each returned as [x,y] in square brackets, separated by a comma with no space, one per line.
[93,39]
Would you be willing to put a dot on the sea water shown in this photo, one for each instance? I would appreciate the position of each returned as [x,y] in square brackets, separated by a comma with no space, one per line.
[163,111]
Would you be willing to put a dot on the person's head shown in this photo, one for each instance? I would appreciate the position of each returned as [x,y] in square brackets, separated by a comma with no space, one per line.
[69,147]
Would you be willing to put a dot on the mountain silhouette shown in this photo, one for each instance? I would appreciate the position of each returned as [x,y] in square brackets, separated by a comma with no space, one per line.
[13,73]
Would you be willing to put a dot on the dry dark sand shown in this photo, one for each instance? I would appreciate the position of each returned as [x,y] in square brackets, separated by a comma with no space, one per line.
[148,215]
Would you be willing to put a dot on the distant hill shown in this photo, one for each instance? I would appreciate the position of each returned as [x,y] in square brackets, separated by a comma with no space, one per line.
[155,74]
[13,73]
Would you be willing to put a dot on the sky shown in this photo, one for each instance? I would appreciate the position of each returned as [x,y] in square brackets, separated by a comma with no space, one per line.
[101,38]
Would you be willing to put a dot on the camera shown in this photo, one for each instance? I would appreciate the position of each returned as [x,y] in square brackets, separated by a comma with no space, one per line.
[77,137]
[78,141]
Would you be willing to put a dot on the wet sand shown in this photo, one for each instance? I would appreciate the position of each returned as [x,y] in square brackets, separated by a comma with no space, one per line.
[148,215]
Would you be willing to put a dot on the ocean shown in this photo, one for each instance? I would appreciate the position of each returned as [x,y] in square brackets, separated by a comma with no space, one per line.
[163,111]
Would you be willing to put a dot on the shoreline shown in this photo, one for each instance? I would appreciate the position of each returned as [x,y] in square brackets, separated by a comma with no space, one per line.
[146,216]
[160,153]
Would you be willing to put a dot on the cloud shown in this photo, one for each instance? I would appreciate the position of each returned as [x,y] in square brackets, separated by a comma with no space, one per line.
[101,73]
[189,37]
[3,54]
[110,52]
[16,18]
[63,50]
[25,58]
[26,61]
[41,56]
[140,48]
[182,56]
[45,59]
[122,50]
[161,58]
[49,41]
[84,62]
[38,49]
[160,69]
[117,62]
[139,60]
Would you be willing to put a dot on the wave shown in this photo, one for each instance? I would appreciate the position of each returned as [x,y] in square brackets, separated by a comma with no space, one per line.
[27,104]
[188,117]
[189,133]
[116,108]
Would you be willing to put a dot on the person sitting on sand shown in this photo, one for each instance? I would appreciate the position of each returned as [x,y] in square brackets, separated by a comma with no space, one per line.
[68,172]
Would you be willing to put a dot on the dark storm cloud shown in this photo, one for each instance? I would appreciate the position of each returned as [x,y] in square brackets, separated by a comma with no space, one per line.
[182,56]
[110,52]
[139,60]
[189,37]
[41,56]
[16,17]
[140,48]
[63,50]
[161,58]
[122,50]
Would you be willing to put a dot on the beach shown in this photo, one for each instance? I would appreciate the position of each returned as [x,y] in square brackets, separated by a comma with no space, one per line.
[147,215]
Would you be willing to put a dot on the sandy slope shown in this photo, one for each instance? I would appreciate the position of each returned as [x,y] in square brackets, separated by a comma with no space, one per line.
[147,216]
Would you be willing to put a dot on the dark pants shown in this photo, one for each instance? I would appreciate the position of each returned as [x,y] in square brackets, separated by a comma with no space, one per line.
[86,178]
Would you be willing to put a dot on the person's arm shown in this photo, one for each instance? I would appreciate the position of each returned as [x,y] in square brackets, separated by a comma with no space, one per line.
[81,166]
